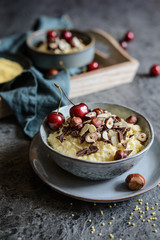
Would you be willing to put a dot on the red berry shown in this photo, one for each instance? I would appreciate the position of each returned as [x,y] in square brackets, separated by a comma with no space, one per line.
[124,44]
[52,72]
[67,35]
[79,110]
[129,36]
[51,36]
[93,66]
[155,70]
[55,120]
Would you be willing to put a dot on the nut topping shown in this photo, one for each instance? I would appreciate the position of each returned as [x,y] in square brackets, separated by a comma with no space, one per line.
[91,137]
[91,115]
[92,128]
[75,121]
[135,181]
[114,140]
[96,122]
[105,135]
[119,155]
[84,129]
[142,137]
[98,110]
[109,122]
[132,119]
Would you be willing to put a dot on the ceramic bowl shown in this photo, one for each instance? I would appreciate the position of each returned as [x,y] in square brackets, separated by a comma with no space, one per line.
[48,60]
[99,170]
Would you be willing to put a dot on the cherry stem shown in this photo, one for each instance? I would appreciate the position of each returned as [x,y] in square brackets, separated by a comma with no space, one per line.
[61,90]
[60,100]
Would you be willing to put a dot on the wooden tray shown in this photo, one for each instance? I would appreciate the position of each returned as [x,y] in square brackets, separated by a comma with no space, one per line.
[115,69]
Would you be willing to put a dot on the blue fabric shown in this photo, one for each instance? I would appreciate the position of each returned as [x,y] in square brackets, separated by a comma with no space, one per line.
[30,96]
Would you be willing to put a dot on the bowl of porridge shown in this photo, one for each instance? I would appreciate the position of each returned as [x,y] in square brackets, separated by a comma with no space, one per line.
[107,142]
[60,48]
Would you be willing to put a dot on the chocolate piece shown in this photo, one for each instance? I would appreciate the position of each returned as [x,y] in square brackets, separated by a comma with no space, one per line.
[131,135]
[60,137]
[75,133]
[120,135]
[128,152]
[92,149]
[124,145]
[65,130]
[82,152]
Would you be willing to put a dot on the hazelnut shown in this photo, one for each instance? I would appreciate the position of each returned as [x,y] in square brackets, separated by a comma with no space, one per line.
[109,122]
[105,135]
[75,121]
[79,126]
[118,118]
[90,115]
[120,155]
[98,111]
[97,122]
[135,181]
[142,137]
[132,119]
[91,137]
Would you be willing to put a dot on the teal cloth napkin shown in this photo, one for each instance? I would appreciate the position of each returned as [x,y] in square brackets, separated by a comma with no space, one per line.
[30,95]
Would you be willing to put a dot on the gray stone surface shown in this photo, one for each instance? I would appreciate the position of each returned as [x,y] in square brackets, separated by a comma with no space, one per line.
[28,208]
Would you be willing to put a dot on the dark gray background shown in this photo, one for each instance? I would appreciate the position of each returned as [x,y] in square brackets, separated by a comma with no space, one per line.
[28,208]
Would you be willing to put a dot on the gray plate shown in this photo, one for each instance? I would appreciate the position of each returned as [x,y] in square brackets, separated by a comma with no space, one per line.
[88,190]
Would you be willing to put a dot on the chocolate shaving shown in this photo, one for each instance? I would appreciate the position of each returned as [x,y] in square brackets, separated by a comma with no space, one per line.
[128,152]
[60,137]
[128,129]
[82,152]
[75,133]
[124,145]
[120,135]
[92,149]
[131,135]
[65,130]
[81,139]
[125,135]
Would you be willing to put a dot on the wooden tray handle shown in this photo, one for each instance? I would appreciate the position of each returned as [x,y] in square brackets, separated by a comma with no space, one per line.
[116,51]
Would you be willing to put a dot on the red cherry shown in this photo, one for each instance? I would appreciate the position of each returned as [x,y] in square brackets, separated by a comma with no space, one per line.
[55,120]
[93,66]
[129,36]
[52,72]
[51,36]
[123,44]
[79,110]
[67,35]
[155,70]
